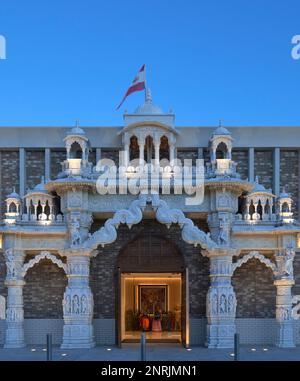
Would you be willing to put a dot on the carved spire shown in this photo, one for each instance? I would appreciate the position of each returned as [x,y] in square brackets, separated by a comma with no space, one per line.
[148,96]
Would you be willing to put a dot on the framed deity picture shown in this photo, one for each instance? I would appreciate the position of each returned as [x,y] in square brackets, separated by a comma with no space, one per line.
[152,297]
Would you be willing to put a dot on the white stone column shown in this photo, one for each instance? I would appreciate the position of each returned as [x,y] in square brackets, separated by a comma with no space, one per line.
[276,174]
[126,155]
[285,333]
[221,300]
[156,152]
[78,303]
[251,164]
[172,153]
[14,282]
[22,171]
[141,155]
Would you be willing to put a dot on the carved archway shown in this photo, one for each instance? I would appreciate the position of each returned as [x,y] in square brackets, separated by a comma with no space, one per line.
[257,255]
[39,257]
[150,252]
[164,214]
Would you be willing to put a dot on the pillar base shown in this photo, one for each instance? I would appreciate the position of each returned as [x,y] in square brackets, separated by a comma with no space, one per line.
[14,339]
[76,336]
[285,336]
[220,336]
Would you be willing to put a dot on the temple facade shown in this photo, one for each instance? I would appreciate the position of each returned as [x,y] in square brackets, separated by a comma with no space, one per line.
[190,234]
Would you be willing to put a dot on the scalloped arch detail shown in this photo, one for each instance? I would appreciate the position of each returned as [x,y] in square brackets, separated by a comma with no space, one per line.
[39,257]
[257,255]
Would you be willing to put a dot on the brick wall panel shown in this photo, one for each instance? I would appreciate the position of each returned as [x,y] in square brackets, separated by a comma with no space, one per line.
[289,170]
[255,291]
[263,167]
[35,167]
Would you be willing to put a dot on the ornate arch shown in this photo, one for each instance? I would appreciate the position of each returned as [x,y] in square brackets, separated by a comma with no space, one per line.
[164,214]
[39,257]
[257,255]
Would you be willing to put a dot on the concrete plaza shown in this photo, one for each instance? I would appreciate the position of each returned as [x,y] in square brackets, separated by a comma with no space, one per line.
[154,352]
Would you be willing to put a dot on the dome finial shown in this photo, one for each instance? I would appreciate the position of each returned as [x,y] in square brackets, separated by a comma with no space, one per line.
[256,179]
[148,96]
[220,122]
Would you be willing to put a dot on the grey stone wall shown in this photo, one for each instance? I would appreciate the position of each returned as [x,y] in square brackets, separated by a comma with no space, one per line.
[255,291]
[56,158]
[103,268]
[241,157]
[43,291]
[35,167]
[263,167]
[289,175]
[9,174]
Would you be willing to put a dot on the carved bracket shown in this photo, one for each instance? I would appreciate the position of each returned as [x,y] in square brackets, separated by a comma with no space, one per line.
[133,215]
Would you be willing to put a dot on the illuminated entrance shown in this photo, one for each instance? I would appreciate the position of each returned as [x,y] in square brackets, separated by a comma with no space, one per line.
[151,303]
[152,292]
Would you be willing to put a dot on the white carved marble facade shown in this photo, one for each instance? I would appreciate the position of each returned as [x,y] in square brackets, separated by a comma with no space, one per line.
[245,221]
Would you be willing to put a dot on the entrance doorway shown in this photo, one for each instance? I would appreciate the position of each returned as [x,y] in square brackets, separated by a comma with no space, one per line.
[151,303]
[152,291]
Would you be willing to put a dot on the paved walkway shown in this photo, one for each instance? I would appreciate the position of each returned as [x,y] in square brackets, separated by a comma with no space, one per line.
[155,352]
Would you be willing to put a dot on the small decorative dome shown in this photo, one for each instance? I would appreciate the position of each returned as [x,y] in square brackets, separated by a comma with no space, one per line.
[221,131]
[284,194]
[40,188]
[148,107]
[76,130]
[14,194]
[259,188]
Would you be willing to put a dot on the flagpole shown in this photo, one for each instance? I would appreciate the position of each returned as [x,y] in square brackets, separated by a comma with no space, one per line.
[145,84]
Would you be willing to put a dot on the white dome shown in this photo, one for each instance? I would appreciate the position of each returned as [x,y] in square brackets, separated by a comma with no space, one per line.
[148,107]
[14,194]
[221,131]
[76,131]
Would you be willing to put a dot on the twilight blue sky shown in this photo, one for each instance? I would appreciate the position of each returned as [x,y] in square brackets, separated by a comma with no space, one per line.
[206,59]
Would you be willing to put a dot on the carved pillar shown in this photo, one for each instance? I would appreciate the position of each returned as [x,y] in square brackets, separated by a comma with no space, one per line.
[172,153]
[156,152]
[285,333]
[126,155]
[14,337]
[141,155]
[221,300]
[78,303]
[284,282]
